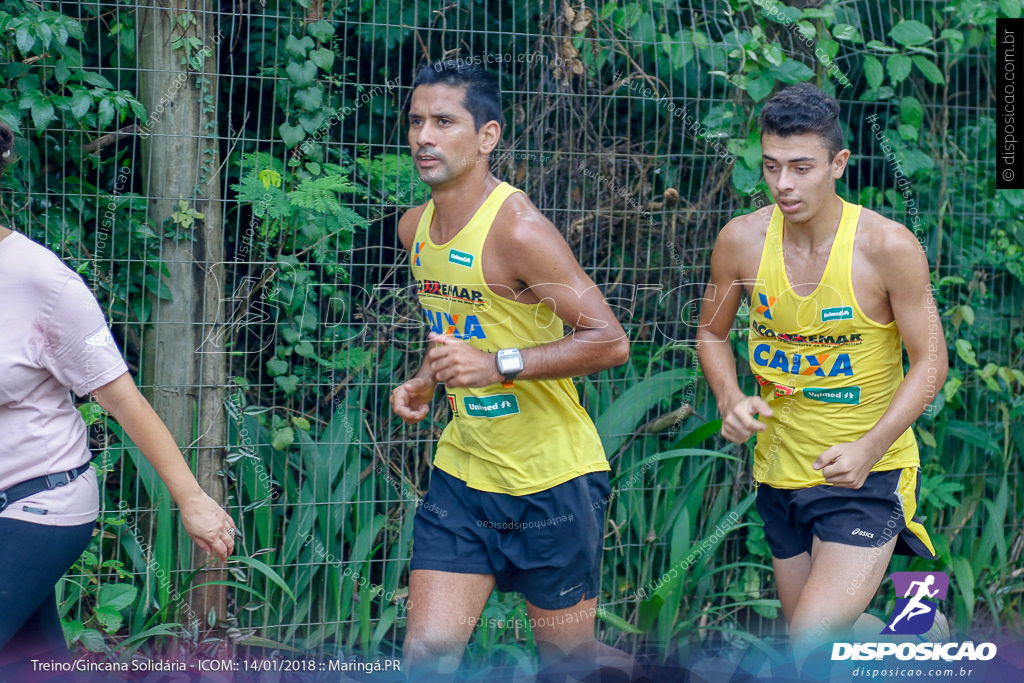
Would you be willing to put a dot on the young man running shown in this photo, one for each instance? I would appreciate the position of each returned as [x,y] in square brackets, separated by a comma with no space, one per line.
[519,468]
[834,289]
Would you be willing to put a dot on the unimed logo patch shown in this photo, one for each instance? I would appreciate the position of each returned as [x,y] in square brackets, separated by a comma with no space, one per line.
[836,313]
[847,395]
[460,258]
[491,406]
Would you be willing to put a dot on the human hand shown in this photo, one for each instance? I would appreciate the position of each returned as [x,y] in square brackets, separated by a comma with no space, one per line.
[411,400]
[738,422]
[209,525]
[848,464]
[460,364]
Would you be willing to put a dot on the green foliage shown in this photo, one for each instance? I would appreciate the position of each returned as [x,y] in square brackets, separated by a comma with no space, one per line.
[325,499]
[54,89]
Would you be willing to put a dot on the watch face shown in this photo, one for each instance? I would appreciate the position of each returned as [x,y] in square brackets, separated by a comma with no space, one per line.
[510,361]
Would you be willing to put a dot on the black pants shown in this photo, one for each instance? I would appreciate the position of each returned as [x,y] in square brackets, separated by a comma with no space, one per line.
[33,557]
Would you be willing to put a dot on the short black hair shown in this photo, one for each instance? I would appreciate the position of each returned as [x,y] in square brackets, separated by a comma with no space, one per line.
[803,108]
[483,98]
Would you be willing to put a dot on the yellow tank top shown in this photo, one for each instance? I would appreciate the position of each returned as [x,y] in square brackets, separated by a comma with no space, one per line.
[827,370]
[518,440]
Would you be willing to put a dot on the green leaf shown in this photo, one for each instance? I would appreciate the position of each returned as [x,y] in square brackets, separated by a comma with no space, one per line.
[880,46]
[110,619]
[815,13]
[907,132]
[928,68]
[309,99]
[81,101]
[829,47]
[92,78]
[791,71]
[955,38]
[276,366]
[873,72]
[644,30]
[915,160]
[323,58]
[1011,8]
[617,622]
[964,576]
[305,349]
[321,30]
[847,32]
[745,179]
[619,420]
[266,571]
[61,71]
[24,39]
[311,122]
[72,630]
[301,75]
[292,135]
[297,48]
[106,112]
[680,49]
[288,384]
[283,438]
[898,67]
[911,111]
[42,115]
[92,640]
[116,596]
[966,352]
[759,86]
[911,32]
[773,54]
[91,412]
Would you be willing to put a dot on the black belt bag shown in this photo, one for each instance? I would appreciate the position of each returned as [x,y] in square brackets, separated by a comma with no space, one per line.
[47,482]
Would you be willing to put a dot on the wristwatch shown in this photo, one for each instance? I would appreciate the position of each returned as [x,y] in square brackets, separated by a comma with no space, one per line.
[510,364]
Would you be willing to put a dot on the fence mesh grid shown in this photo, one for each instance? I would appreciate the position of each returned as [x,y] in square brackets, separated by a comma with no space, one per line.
[637,193]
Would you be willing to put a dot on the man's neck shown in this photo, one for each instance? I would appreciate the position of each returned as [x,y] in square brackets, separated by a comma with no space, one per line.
[821,228]
[455,203]
[4,232]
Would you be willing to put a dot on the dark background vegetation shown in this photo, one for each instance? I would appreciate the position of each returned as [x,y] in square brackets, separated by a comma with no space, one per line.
[269,234]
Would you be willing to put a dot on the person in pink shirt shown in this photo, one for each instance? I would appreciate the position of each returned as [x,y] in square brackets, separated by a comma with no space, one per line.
[54,340]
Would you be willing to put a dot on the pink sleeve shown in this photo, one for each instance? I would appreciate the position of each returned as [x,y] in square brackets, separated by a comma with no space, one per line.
[79,349]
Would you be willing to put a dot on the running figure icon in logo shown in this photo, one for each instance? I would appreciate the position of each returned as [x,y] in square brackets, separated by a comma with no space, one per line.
[915,613]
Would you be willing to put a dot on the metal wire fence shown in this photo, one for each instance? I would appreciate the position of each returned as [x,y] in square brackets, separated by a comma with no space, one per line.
[633,128]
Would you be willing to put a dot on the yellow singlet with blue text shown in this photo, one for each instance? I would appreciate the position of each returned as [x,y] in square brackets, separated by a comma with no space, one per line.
[827,370]
[516,440]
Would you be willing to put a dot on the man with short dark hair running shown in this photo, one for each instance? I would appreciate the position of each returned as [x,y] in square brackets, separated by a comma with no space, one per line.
[834,290]
[519,474]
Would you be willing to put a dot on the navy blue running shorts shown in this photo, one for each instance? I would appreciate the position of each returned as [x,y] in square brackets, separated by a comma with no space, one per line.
[870,516]
[545,545]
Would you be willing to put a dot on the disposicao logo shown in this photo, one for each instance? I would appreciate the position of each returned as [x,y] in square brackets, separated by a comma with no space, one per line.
[917,594]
